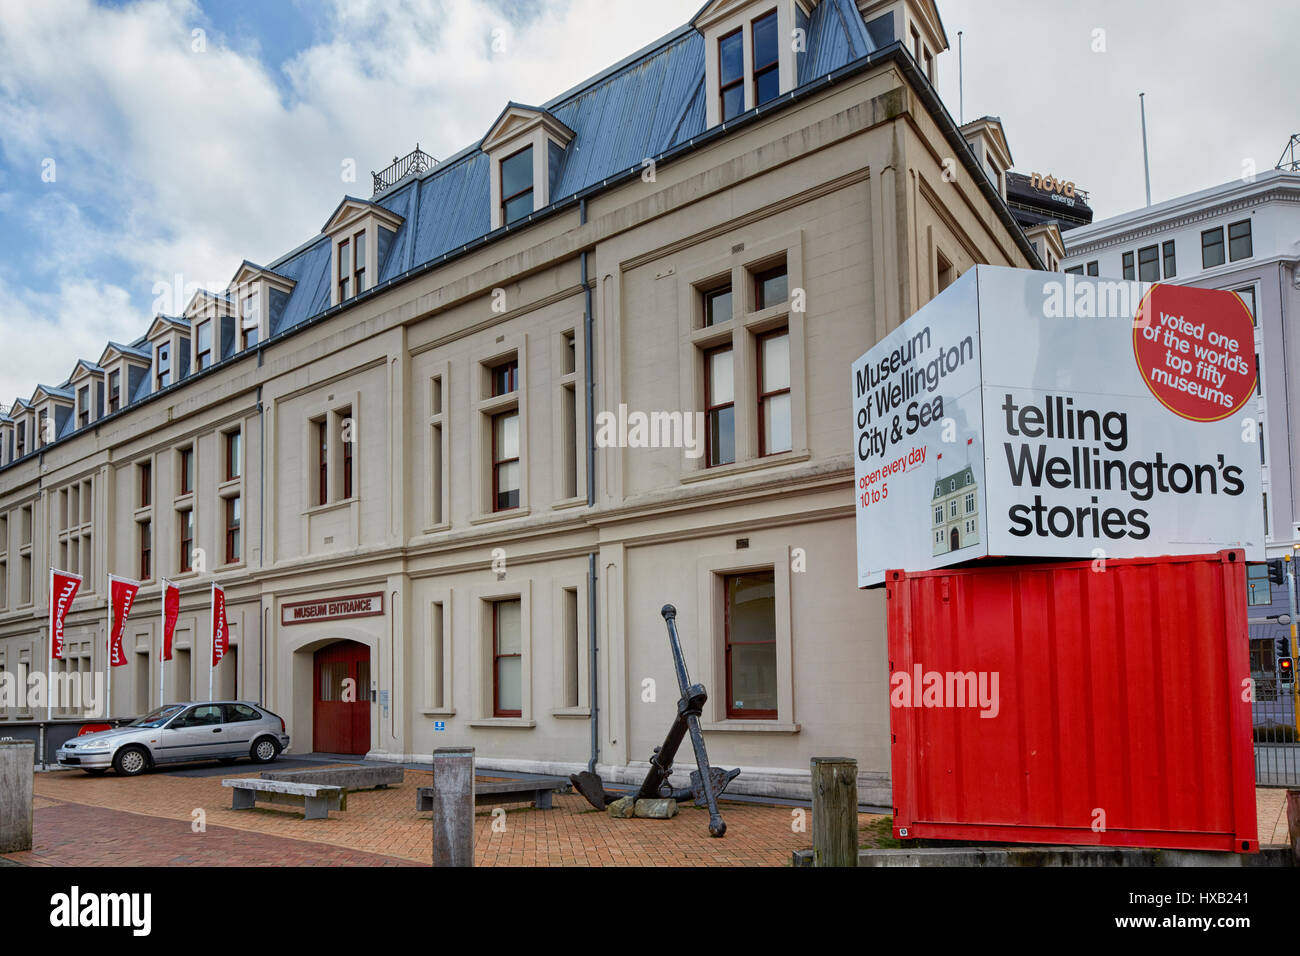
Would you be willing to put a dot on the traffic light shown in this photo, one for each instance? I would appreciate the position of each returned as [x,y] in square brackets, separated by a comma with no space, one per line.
[1277,570]
[1286,669]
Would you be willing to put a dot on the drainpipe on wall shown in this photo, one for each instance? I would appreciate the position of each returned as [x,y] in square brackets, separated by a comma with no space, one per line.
[261,542]
[588,327]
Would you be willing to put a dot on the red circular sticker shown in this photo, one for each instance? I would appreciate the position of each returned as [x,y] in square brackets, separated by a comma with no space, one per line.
[1195,349]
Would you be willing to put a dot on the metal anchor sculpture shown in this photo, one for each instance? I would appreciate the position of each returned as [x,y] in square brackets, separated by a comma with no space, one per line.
[707,783]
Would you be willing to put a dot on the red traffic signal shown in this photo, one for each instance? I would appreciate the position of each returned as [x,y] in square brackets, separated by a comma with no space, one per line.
[1286,669]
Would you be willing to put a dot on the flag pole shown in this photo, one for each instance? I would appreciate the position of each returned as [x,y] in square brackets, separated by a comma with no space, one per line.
[108,646]
[212,638]
[49,659]
[162,645]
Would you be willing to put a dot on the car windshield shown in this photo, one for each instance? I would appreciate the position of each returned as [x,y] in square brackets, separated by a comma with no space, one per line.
[159,716]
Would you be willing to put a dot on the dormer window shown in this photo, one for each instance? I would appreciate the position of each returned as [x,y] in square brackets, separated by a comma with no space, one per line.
[361,234]
[746,62]
[83,406]
[517,185]
[114,391]
[526,147]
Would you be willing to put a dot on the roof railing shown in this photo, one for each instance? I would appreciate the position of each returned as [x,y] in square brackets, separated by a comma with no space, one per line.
[416,161]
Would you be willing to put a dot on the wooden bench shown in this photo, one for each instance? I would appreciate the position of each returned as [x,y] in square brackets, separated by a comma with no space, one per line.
[536,791]
[345,778]
[315,799]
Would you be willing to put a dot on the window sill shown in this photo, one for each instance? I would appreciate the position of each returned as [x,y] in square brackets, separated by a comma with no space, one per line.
[330,506]
[572,713]
[445,712]
[744,467]
[514,722]
[749,726]
[496,404]
[438,528]
[488,518]
[228,487]
[180,502]
[567,503]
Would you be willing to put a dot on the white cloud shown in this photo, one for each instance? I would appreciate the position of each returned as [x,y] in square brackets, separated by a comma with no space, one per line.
[171,160]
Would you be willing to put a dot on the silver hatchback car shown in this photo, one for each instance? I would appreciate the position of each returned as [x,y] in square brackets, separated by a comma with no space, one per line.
[224,730]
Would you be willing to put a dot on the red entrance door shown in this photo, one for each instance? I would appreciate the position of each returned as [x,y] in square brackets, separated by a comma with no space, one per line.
[341,711]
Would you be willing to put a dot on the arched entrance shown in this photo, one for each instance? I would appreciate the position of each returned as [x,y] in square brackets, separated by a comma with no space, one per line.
[954,543]
[341,699]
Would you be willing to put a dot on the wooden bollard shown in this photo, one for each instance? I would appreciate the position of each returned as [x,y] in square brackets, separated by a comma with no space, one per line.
[16,767]
[835,811]
[453,806]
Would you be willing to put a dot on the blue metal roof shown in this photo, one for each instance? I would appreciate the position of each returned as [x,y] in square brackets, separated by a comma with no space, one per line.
[640,108]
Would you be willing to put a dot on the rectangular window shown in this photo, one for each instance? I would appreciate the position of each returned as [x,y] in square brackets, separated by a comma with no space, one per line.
[1149,264]
[774,393]
[1074,270]
[233,461]
[731,74]
[1094,268]
[1248,297]
[1239,241]
[1212,248]
[571,689]
[507,659]
[517,185]
[322,463]
[970,502]
[203,345]
[505,378]
[1171,263]
[1129,272]
[146,484]
[345,438]
[1259,590]
[164,366]
[720,407]
[717,306]
[505,461]
[22,440]
[232,530]
[766,47]
[83,406]
[1259,437]
[186,519]
[114,391]
[42,429]
[938,515]
[359,262]
[146,550]
[345,270]
[751,645]
[770,288]
[952,508]
[250,320]
[187,470]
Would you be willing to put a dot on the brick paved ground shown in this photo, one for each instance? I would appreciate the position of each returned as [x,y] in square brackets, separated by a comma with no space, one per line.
[384,823]
[146,820]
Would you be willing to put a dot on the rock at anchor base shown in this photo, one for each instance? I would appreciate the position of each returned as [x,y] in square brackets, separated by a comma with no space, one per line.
[624,808]
[656,809]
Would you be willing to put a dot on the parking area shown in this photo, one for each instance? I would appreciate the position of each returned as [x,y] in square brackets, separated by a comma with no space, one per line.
[183,818]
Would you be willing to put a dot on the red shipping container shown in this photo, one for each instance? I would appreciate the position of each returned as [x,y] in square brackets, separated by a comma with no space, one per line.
[1114,710]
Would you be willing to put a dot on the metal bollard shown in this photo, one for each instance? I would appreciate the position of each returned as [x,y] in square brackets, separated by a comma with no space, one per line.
[453,806]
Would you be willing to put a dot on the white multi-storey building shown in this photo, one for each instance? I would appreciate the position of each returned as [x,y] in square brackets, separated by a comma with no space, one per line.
[1242,236]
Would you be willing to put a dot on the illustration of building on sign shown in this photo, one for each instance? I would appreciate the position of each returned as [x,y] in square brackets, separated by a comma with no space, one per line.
[955,512]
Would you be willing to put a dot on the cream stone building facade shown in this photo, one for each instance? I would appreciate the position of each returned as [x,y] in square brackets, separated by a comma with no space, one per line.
[381,445]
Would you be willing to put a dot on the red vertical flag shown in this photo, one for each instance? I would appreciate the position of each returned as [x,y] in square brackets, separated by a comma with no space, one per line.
[63,588]
[122,595]
[220,626]
[171,612]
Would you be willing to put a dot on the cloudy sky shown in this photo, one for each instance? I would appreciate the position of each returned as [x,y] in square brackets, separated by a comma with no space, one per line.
[149,144]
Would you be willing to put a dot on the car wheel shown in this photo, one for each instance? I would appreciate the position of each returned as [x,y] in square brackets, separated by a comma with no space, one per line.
[131,761]
[264,750]
[96,772]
